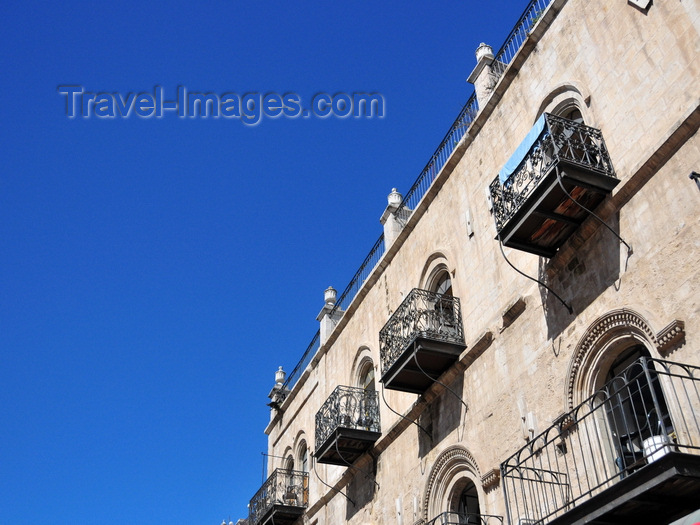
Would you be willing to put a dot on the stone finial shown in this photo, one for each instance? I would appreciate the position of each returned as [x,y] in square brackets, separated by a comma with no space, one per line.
[394,217]
[330,314]
[485,74]
[394,198]
[330,295]
[484,50]
[280,376]
[278,393]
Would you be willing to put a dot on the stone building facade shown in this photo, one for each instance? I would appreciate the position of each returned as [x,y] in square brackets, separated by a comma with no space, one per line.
[552,379]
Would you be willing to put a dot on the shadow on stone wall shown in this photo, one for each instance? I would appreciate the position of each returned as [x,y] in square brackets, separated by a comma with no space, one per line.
[361,490]
[441,418]
[594,269]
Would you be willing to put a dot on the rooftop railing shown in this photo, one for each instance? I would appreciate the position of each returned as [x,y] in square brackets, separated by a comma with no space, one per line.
[646,412]
[533,12]
[302,364]
[516,38]
[361,274]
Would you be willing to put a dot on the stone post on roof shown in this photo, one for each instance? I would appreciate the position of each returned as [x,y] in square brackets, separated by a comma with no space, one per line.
[393,219]
[279,392]
[486,74]
[329,314]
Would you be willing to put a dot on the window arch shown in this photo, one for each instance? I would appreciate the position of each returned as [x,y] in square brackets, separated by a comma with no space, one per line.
[569,100]
[572,112]
[439,280]
[367,376]
[288,462]
[606,339]
[453,487]
[612,364]
[303,457]
[443,283]
[363,369]
[436,269]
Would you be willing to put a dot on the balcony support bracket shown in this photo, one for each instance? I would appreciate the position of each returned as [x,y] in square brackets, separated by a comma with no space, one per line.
[436,380]
[353,467]
[590,212]
[404,417]
[555,294]
[338,491]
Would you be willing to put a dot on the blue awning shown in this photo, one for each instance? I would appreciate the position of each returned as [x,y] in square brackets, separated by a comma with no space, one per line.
[521,151]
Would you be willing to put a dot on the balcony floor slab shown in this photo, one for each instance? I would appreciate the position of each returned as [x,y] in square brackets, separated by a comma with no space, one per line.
[422,356]
[548,217]
[661,492]
[345,445]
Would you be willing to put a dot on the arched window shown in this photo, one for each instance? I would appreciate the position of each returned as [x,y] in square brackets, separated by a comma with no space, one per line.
[442,284]
[289,462]
[452,495]
[634,406]
[572,113]
[304,457]
[444,319]
[367,376]
[468,511]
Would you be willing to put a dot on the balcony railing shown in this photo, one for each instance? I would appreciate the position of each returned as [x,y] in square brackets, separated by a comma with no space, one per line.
[615,442]
[347,424]
[282,498]
[348,407]
[427,323]
[454,518]
[528,204]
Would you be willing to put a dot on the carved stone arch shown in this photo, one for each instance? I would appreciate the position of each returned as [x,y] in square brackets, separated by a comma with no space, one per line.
[301,436]
[437,263]
[363,358]
[284,459]
[453,466]
[565,96]
[302,453]
[600,345]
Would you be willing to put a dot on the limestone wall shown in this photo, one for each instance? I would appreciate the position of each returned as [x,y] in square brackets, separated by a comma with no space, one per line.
[637,76]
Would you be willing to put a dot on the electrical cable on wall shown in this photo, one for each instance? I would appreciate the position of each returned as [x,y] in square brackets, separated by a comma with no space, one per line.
[404,417]
[337,491]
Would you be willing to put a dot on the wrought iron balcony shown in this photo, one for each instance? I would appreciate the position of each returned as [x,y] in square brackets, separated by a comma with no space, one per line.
[347,425]
[455,518]
[281,499]
[422,339]
[532,196]
[628,454]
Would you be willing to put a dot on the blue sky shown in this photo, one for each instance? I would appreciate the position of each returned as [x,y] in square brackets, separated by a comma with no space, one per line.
[154,273]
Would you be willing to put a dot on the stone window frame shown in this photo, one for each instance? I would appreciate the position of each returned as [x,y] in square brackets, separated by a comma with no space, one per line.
[454,468]
[605,339]
[363,360]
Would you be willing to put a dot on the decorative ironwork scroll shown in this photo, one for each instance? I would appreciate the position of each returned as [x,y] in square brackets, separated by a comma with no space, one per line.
[284,487]
[561,140]
[422,314]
